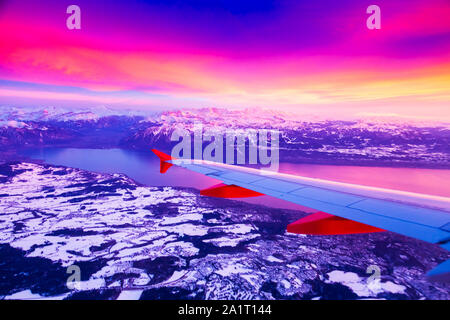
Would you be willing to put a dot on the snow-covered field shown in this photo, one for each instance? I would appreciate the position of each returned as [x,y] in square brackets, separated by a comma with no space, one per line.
[131,241]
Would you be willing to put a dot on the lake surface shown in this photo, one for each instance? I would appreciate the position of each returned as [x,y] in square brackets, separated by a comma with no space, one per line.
[143,167]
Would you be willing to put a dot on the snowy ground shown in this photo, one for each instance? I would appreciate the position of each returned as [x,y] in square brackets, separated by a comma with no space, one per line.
[136,242]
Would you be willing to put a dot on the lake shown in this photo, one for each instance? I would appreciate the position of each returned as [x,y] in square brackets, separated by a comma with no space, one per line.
[143,167]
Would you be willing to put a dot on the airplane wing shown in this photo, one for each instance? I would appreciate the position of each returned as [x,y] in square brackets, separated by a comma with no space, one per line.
[344,208]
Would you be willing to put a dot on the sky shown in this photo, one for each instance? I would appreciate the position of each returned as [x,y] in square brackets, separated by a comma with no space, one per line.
[308,57]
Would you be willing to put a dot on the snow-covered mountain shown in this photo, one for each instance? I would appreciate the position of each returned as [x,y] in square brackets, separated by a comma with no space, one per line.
[213,117]
[371,141]
[59,114]
[363,141]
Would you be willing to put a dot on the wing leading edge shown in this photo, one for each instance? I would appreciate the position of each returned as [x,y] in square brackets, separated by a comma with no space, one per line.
[423,217]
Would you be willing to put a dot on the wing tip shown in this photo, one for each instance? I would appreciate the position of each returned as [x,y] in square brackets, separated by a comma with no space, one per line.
[161,155]
[163,158]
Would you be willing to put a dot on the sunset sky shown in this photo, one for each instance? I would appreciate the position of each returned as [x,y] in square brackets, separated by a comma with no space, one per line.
[302,56]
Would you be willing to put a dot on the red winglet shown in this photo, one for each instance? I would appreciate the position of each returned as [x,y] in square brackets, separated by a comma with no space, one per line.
[321,223]
[163,157]
[229,191]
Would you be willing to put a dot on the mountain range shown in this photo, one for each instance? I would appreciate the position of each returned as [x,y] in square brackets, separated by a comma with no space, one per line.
[380,141]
